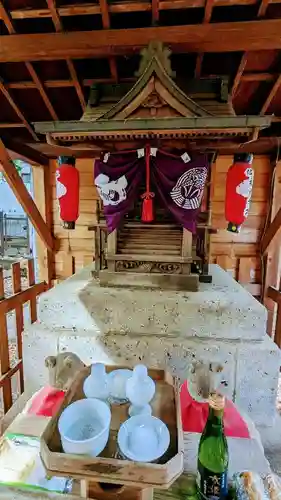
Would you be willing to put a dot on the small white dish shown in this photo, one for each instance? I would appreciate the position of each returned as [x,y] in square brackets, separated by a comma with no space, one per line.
[117,385]
[143,438]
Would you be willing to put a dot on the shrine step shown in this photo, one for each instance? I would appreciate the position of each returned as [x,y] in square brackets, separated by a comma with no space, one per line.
[188,282]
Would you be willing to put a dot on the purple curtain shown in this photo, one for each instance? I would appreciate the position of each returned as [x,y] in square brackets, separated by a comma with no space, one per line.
[180,185]
[117,178]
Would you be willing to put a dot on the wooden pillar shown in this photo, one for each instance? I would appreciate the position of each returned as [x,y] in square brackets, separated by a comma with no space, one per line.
[271,263]
[43,198]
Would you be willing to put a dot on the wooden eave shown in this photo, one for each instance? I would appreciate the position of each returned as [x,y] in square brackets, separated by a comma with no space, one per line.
[165,125]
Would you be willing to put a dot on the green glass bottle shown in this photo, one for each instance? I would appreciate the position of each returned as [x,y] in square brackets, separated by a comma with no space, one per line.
[213,454]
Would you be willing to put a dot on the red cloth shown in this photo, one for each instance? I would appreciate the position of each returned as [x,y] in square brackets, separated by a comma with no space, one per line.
[46,402]
[194,416]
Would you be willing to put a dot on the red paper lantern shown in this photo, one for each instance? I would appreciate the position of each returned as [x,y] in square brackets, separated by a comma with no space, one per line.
[67,182]
[239,184]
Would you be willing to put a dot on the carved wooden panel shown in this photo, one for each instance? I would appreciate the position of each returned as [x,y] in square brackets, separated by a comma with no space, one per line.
[137,266]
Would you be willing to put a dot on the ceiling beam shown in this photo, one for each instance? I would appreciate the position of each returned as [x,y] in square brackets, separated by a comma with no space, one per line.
[88,82]
[207,18]
[19,189]
[76,83]
[26,151]
[39,85]
[212,37]
[12,103]
[271,95]
[119,7]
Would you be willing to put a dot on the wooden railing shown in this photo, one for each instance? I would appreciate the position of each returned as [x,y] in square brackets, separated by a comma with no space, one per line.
[275,295]
[20,295]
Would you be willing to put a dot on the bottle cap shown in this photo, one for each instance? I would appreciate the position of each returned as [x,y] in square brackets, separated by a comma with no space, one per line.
[217,401]
[97,369]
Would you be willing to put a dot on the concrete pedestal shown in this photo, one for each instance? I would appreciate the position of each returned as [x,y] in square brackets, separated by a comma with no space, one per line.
[168,329]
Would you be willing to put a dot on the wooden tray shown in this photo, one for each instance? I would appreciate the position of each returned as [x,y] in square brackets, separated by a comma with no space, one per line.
[106,468]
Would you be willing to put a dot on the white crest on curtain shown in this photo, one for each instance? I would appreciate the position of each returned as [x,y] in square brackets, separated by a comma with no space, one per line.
[60,187]
[140,153]
[111,192]
[188,191]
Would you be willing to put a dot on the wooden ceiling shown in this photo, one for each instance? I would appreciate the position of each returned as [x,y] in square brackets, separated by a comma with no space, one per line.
[51,53]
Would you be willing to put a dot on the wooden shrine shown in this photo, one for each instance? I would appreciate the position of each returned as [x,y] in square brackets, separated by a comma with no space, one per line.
[163,112]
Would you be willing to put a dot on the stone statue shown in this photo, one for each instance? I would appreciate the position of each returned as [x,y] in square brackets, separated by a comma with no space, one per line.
[62,369]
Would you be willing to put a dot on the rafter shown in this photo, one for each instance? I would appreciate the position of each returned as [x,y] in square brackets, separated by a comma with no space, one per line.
[209,4]
[41,90]
[19,189]
[155,11]
[271,95]
[208,10]
[212,37]
[76,83]
[239,74]
[55,15]
[4,14]
[263,7]
[104,13]
[198,65]
[11,101]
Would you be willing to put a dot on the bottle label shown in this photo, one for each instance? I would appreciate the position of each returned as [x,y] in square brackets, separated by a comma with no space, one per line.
[211,485]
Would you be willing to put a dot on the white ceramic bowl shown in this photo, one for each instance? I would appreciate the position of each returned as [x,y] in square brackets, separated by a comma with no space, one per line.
[84,427]
[143,438]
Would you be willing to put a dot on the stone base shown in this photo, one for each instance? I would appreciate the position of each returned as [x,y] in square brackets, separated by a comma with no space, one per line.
[188,282]
[250,368]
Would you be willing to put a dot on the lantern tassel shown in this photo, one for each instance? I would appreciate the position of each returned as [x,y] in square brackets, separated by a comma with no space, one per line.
[147,204]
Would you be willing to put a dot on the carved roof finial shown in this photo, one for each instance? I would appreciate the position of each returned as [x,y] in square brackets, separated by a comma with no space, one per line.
[156,50]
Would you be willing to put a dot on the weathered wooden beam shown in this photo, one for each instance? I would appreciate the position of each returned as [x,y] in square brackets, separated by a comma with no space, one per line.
[271,232]
[271,95]
[213,37]
[11,101]
[208,10]
[77,85]
[39,85]
[239,74]
[258,77]
[155,11]
[26,151]
[263,7]
[12,125]
[19,189]
[55,15]
[104,13]
[274,294]
[119,7]
[6,18]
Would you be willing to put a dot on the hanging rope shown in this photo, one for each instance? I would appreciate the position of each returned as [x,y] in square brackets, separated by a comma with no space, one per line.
[147,205]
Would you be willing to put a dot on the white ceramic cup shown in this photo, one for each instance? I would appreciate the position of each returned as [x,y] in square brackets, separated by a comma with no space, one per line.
[84,427]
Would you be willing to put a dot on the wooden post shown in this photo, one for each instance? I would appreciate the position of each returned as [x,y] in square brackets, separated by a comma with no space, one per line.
[272,262]
[4,352]
[16,276]
[16,184]
[186,248]
[43,197]
[111,249]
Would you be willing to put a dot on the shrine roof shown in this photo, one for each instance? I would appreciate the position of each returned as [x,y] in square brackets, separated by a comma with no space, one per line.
[157,105]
